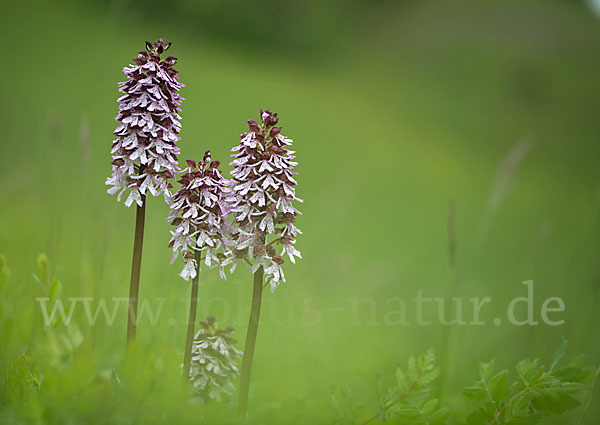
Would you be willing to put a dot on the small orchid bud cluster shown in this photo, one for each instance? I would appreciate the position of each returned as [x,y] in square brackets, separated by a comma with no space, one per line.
[199,211]
[262,199]
[214,362]
[145,150]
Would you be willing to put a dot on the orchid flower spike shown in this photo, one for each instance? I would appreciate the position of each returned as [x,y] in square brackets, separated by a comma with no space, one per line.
[145,151]
[199,211]
[263,199]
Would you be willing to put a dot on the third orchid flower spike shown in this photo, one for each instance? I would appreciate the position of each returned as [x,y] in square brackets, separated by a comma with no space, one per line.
[199,211]
[214,362]
[145,150]
[263,199]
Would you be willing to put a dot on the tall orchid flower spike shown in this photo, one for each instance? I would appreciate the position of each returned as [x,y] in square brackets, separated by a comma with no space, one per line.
[199,212]
[145,150]
[264,228]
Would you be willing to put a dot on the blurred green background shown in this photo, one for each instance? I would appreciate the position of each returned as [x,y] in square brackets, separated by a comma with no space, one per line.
[398,110]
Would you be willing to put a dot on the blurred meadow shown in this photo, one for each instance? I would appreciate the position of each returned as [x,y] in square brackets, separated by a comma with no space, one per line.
[402,113]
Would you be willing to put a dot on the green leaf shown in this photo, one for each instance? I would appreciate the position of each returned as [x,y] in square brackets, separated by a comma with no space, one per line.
[43,264]
[573,374]
[560,352]
[527,369]
[475,392]
[346,412]
[554,401]
[55,289]
[430,406]
[485,370]
[497,385]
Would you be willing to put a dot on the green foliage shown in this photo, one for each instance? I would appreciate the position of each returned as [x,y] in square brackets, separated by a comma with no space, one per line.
[536,392]
[50,284]
[409,400]
[345,409]
[20,381]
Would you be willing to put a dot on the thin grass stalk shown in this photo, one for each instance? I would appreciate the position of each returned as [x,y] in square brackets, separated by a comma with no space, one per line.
[187,357]
[450,291]
[250,341]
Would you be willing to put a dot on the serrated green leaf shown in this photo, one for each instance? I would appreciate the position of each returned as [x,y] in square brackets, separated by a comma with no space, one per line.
[475,392]
[554,401]
[527,369]
[560,352]
[430,406]
[497,385]
[485,370]
[573,374]
[413,371]
[401,379]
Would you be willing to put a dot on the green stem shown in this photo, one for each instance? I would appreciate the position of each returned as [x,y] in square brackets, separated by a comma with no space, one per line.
[136,264]
[187,357]
[250,341]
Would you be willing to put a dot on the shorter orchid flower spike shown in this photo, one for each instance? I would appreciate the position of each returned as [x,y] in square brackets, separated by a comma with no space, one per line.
[214,365]
[199,211]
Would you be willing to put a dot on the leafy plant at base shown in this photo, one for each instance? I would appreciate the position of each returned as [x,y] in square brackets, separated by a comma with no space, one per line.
[409,401]
[537,391]
[345,410]
[62,342]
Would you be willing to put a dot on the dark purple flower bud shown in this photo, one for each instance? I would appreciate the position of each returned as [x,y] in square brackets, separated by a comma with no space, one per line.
[206,158]
[253,126]
[191,163]
[274,132]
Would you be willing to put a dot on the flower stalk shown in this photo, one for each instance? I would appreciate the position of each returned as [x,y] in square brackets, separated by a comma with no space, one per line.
[187,357]
[136,265]
[251,340]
